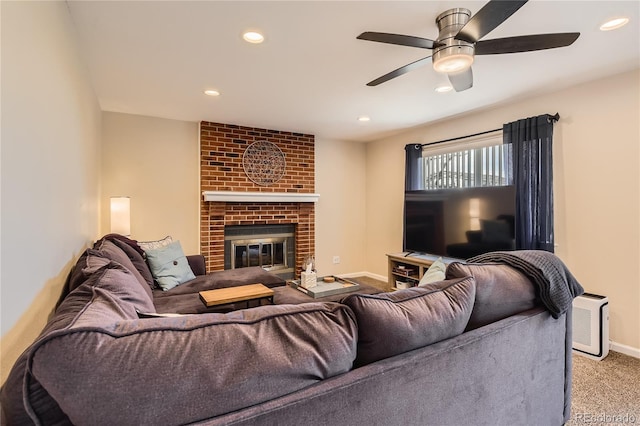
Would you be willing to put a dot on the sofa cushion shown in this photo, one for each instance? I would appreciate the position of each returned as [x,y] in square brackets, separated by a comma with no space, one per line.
[115,294]
[110,250]
[137,260]
[197,264]
[397,322]
[188,304]
[115,283]
[140,371]
[43,405]
[501,291]
[110,294]
[90,261]
[224,279]
[169,266]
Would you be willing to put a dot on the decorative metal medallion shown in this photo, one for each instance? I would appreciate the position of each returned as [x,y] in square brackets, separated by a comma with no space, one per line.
[263,163]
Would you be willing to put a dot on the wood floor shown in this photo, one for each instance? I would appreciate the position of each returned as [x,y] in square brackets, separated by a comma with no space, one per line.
[382,285]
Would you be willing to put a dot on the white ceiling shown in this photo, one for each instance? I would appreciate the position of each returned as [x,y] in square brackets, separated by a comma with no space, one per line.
[156,58]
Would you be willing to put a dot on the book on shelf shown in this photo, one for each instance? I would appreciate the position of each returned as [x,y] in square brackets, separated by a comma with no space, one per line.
[407,272]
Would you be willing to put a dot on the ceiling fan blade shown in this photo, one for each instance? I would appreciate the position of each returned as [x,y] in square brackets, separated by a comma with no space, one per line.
[526,43]
[402,70]
[402,40]
[462,80]
[488,18]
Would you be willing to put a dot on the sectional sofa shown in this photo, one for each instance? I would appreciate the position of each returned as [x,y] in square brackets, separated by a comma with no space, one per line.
[478,347]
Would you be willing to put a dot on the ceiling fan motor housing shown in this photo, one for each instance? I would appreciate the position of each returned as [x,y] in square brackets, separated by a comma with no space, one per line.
[449,24]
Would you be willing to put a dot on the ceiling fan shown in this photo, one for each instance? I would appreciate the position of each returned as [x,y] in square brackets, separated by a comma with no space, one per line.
[459,40]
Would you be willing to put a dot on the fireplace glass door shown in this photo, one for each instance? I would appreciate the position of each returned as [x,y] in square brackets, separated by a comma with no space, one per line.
[268,253]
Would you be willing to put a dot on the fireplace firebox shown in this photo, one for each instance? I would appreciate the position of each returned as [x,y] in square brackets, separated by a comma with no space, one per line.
[271,247]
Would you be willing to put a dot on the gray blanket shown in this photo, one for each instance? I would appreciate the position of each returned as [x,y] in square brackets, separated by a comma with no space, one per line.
[557,286]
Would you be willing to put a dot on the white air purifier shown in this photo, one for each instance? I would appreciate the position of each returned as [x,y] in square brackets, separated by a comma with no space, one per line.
[591,326]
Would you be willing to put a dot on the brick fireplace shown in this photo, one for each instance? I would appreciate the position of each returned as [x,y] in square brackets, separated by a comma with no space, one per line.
[221,171]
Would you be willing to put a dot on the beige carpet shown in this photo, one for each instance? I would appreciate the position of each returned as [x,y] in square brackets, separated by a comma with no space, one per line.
[607,391]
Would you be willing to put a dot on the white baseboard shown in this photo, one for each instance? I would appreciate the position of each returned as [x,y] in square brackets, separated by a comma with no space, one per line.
[624,349]
[364,274]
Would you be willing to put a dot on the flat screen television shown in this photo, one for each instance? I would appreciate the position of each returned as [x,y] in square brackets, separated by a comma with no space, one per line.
[459,223]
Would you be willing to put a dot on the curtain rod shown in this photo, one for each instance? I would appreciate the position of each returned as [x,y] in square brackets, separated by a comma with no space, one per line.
[550,117]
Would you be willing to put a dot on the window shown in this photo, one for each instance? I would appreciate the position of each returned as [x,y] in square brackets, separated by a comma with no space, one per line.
[476,166]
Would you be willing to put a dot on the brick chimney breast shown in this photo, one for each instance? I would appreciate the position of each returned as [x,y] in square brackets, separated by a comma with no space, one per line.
[221,152]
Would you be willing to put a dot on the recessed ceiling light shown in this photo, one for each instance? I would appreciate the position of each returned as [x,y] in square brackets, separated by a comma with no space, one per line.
[212,92]
[364,118]
[443,88]
[614,24]
[253,37]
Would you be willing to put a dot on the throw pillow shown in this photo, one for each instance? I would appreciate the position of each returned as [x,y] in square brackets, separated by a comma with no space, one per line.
[169,266]
[154,245]
[397,322]
[501,291]
[434,274]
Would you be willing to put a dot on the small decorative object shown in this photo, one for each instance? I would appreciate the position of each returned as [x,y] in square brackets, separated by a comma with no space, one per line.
[309,260]
[263,163]
[308,277]
[401,285]
[329,279]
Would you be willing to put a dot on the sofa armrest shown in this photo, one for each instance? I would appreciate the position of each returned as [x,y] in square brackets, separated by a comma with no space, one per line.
[197,264]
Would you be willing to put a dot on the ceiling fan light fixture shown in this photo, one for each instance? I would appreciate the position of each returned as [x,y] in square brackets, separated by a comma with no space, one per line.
[614,24]
[460,38]
[453,63]
[211,92]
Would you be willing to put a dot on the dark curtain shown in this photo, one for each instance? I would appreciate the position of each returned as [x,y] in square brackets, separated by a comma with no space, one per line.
[413,167]
[531,140]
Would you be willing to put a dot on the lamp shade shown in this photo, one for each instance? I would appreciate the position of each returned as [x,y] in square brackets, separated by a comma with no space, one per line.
[121,215]
[474,214]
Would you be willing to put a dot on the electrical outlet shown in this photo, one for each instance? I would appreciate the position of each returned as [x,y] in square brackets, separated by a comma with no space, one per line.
[336,259]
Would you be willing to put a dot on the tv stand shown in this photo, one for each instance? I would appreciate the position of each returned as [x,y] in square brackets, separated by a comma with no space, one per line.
[407,268]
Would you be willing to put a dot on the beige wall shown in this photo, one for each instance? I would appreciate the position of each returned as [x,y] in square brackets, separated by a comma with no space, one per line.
[596,186]
[135,147]
[50,166]
[155,162]
[340,223]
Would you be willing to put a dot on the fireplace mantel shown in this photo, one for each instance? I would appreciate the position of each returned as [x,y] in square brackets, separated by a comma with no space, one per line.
[260,197]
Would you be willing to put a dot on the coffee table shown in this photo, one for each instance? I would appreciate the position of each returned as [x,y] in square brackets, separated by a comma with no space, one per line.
[324,289]
[289,295]
[243,293]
